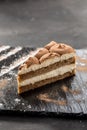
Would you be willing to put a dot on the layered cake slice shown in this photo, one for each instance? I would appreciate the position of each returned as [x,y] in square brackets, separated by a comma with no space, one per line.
[53,62]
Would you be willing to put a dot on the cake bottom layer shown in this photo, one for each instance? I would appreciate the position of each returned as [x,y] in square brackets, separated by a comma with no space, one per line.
[25,88]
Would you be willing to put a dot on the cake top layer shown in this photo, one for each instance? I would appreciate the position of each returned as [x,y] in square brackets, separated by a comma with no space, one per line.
[51,50]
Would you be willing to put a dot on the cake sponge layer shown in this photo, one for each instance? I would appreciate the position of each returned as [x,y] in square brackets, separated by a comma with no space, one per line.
[46,63]
[46,69]
[44,82]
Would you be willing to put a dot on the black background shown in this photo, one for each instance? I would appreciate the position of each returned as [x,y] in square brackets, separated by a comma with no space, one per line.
[35,23]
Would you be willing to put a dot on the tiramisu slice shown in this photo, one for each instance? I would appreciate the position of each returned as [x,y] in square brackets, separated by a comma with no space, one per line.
[53,62]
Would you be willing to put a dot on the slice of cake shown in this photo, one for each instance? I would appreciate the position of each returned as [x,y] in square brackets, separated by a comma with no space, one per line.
[53,62]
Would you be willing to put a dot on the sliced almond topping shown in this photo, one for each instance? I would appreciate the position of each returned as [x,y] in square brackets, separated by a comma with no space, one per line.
[48,56]
[49,45]
[41,52]
[31,61]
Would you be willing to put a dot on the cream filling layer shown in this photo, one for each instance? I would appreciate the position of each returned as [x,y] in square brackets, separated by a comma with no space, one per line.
[59,71]
[46,63]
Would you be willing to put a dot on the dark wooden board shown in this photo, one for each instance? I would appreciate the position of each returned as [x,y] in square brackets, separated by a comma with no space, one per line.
[67,96]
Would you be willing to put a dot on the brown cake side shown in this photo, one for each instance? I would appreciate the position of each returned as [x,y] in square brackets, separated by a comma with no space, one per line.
[53,62]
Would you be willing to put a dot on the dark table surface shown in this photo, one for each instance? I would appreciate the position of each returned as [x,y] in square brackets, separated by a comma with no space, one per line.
[35,23]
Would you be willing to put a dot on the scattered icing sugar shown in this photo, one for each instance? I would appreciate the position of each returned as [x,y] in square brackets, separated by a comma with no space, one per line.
[29,106]
[1,106]
[17,100]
